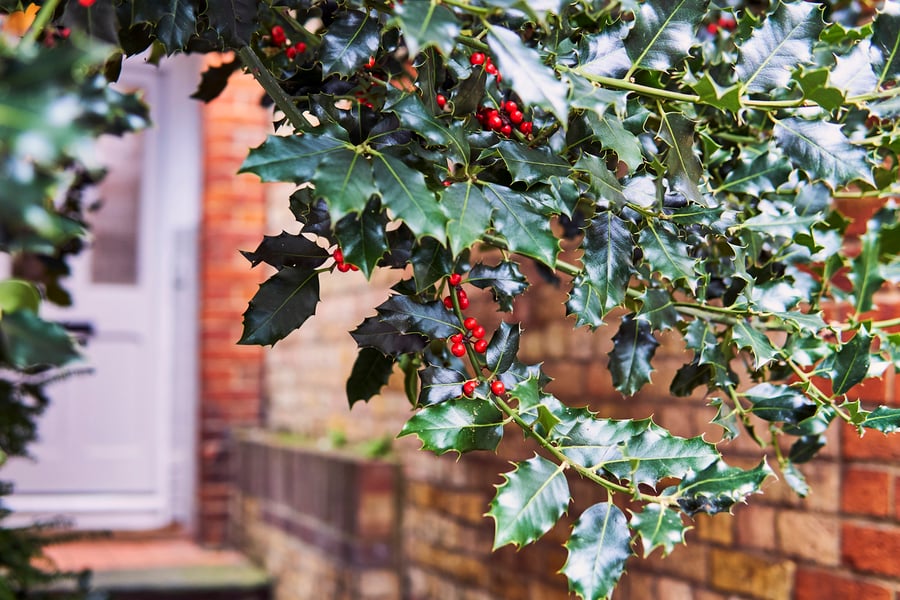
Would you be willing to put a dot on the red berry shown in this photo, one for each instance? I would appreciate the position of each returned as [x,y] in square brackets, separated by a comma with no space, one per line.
[506,130]
[301,47]
[510,106]
[461,294]
[481,346]
[491,68]
[343,267]
[371,62]
[278,36]
[353,267]
[712,28]
[338,255]
[458,349]
[441,100]
[291,52]
[463,303]
[454,279]
[456,338]
[516,117]
[470,323]
[497,387]
[477,58]
[446,183]
[526,127]
[478,332]
[469,387]
[86,3]
[495,123]
[448,302]
[727,22]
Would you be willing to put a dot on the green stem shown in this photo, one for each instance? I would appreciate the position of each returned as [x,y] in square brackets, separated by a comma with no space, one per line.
[464,5]
[745,417]
[817,394]
[268,82]
[45,14]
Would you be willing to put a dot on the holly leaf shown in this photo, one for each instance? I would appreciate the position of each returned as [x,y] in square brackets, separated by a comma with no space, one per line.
[779,403]
[414,115]
[598,548]
[629,360]
[656,454]
[529,165]
[440,385]
[351,39]
[458,425]
[611,133]
[344,180]
[505,281]
[852,73]
[431,319]
[503,347]
[710,92]
[885,36]
[883,419]
[795,479]
[405,194]
[658,309]
[294,158]
[375,333]
[214,80]
[608,247]
[667,254]
[529,502]
[664,32]
[585,302]
[535,83]
[866,271]
[371,372]
[603,181]
[427,24]
[746,336]
[658,526]
[593,442]
[281,305]
[470,215]
[783,42]
[27,341]
[604,53]
[522,224]
[683,168]
[758,173]
[175,21]
[850,364]
[822,150]
[362,237]
[289,250]
[719,487]
[430,261]
[233,20]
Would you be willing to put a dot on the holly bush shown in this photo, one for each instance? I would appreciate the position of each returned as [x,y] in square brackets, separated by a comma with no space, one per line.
[689,154]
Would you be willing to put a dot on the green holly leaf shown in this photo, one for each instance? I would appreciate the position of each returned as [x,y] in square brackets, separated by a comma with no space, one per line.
[726,418]
[352,38]
[746,336]
[603,181]
[710,92]
[758,173]
[505,281]
[440,385]
[233,20]
[822,150]
[98,20]
[612,135]
[405,194]
[801,322]
[28,342]
[866,272]
[658,309]
[431,262]
[371,372]
[522,224]
[629,360]
[431,319]
[503,347]
[529,165]
[604,53]
[414,115]
[719,487]
[779,403]
[885,33]
[850,364]
[586,303]
[804,449]
[18,294]
[655,454]
[458,425]
[362,237]
[281,305]
[375,333]
[608,247]
[593,442]
[344,180]
[175,21]
[853,73]
[664,32]
[427,24]
[883,419]
[667,254]
[294,158]
[783,42]
[214,80]
[683,168]
[287,250]
[470,214]
[529,502]
[816,85]
[534,82]
[598,548]
[658,526]
[779,225]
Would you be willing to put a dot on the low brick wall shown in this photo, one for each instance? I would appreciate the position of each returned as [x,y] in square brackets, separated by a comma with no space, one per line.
[325,525]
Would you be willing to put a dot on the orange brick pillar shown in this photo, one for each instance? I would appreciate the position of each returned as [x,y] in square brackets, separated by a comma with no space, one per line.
[232,218]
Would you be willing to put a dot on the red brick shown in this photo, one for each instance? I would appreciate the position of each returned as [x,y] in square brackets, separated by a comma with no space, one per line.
[872,446]
[871,549]
[865,492]
[814,584]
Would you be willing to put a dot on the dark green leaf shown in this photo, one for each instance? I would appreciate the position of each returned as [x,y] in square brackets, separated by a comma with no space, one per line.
[98,20]
[362,237]
[604,53]
[281,305]
[710,92]
[629,360]
[431,319]
[865,273]
[667,254]
[782,43]
[886,38]
[795,479]
[664,32]
[175,21]
[657,308]
[27,341]
[416,116]
[370,373]
[294,158]
[287,250]
[430,261]
[851,362]
[351,39]
[746,336]
[719,487]
[684,170]
[585,303]
[598,548]
[405,194]
[883,419]
[822,150]
[805,448]
[375,333]
[656,454]
[233,20]
[593,442]
[529,502]
[658,526]
[612,135]
[603,181]
[608,247]
[505,281]
[759,173]
[458,426]
[530,165]
[470,214]
[439,385]
[214,80]
[779,403]
[344,179]
[427,23]
[503,347]
[526,230]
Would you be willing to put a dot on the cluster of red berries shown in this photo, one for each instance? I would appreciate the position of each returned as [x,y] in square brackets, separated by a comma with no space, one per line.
[725,22]
[454,280]
[502,121]
[497,387]
[343,267]
[475,336]
[480,58]
[279,38]
[86,3]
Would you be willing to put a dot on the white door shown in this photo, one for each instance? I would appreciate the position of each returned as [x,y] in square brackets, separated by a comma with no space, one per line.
[110,454]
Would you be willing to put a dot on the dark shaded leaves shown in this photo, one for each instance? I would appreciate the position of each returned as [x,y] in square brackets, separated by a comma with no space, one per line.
[281,305]
[629,360]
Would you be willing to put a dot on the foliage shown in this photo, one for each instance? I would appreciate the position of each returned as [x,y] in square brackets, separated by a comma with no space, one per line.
[690,152]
